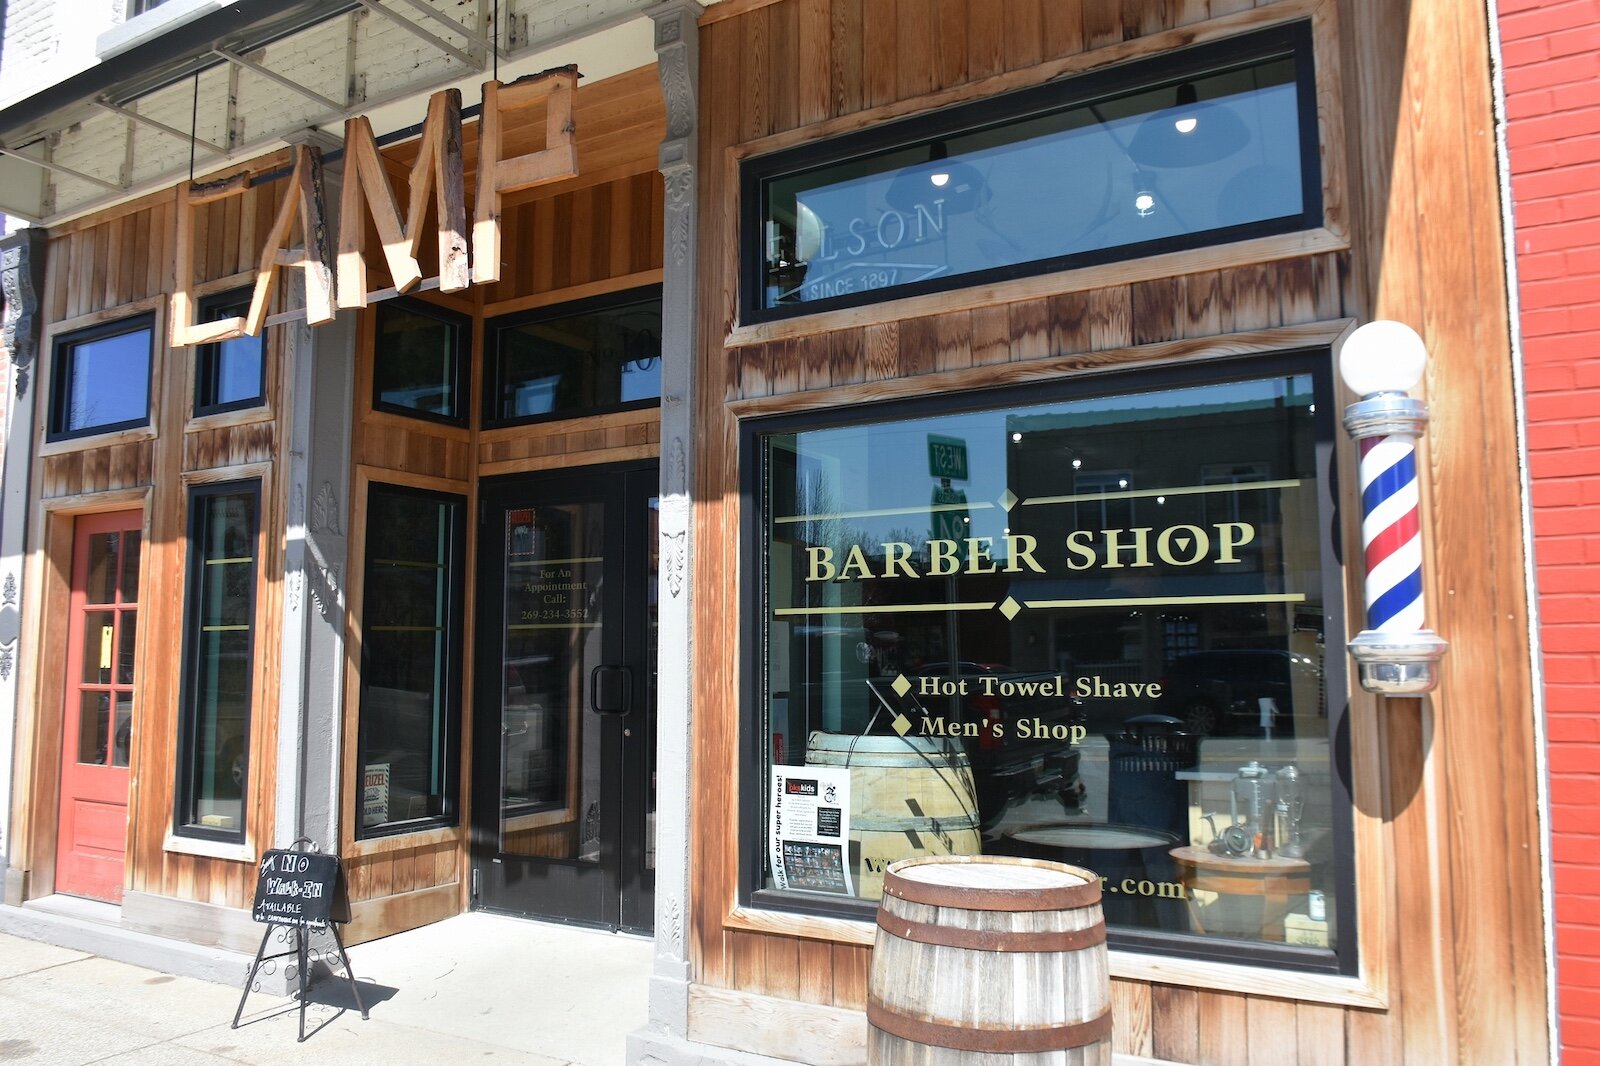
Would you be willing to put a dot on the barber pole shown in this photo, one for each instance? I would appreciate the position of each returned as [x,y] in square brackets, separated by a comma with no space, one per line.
[1396,652]
[1391,534]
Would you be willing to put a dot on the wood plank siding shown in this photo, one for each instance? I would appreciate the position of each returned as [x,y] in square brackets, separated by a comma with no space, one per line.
[1452,952]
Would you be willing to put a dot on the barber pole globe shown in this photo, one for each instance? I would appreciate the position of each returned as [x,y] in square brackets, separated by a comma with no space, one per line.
[1396,653]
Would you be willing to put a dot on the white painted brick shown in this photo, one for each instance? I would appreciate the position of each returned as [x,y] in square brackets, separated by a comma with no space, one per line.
[94,146]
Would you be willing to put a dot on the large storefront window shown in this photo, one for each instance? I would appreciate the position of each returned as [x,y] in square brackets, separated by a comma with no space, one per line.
[1209,145]
[1092,629]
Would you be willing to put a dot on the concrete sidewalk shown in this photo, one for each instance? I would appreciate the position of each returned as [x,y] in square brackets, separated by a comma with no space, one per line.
[478,986]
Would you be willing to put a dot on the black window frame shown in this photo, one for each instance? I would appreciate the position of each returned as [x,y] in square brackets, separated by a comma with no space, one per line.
[207,356]
[462,357]
[1294,40]
[61,375]
[492,330]
[194,564]
[450,685]
[1317,362]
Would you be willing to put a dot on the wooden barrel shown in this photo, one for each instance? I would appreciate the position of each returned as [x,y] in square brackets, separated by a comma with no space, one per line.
[982,961]
[909,797]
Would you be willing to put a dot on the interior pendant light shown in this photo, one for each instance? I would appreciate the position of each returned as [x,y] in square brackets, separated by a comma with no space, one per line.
[958,184]
[1189,133]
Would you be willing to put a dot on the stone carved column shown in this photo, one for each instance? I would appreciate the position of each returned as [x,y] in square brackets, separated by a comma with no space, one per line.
[22,281]
[678,60]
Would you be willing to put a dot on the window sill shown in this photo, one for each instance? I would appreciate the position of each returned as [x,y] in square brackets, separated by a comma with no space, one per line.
[244,416]
[422,838]
[210,849]
[383,416]
[1125,965]
[168,17]
[91,441]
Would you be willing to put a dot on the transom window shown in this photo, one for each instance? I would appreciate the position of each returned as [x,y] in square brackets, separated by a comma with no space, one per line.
[580,358]
[419,361]
[1208,145]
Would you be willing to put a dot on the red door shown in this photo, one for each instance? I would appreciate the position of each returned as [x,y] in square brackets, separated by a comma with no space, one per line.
[97,721]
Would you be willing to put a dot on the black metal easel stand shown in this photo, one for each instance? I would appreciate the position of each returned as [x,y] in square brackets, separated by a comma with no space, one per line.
[300,953]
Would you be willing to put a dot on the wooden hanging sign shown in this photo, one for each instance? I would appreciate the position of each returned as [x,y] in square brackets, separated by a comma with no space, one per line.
[438,170]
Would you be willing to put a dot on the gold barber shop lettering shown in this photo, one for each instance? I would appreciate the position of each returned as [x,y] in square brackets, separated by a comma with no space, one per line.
[945,558]
[1182,545]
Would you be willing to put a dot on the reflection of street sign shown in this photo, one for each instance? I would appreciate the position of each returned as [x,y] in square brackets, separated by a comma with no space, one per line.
[951,524]
[947,457]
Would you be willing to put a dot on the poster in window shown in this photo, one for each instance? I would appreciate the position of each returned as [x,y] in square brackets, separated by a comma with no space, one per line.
[809,823]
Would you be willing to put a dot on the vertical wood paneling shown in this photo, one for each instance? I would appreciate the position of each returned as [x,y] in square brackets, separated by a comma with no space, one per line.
[1175,1023]
[813,82]
[722,70]
[848,350]
[1224,1033]
[1273,1031]
[991,335]
[879,56]
[986,52]
[815,962]
[1130,1011]
[1319,1034]
[915,69]
[850,965]
[950,40]
[1024,33]
[784,38]
[844,58]
[1062,26]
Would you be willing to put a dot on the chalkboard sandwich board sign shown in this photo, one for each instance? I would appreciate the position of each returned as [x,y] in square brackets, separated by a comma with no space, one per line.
[298,892]
[296,888]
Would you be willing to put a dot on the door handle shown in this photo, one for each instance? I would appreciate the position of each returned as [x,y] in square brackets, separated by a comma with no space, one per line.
[611,690]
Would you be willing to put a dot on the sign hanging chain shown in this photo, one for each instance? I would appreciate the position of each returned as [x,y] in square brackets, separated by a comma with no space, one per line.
[194,124]
[496,44]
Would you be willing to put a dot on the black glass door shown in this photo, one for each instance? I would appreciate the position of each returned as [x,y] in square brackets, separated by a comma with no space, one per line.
[564,734]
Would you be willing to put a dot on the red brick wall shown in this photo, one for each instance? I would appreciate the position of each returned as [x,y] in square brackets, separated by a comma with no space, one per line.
[1551,51]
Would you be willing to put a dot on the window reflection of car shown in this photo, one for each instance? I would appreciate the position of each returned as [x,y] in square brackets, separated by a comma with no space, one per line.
[1219,692]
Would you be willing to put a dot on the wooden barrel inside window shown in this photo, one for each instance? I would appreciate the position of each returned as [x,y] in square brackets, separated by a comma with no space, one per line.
[909,797]
[983,961]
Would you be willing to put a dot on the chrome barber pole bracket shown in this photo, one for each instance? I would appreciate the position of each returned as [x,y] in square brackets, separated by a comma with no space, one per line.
[1397,655]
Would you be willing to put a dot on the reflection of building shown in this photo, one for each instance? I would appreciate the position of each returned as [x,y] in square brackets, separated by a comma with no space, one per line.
[459,756]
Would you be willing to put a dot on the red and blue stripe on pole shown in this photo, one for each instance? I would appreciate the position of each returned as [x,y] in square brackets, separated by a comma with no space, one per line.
[1391,533]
